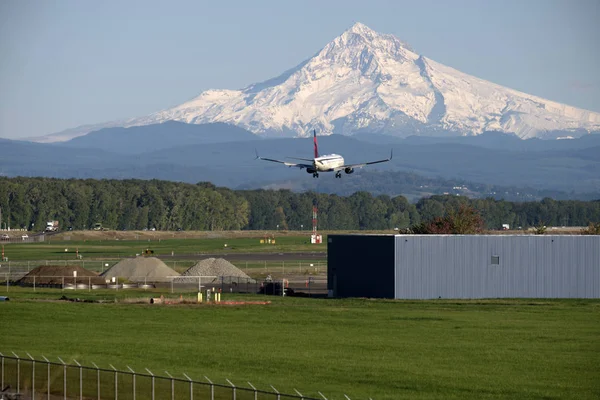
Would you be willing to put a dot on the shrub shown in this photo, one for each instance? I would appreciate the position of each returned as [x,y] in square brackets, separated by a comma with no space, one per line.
[592,229]
[464,221]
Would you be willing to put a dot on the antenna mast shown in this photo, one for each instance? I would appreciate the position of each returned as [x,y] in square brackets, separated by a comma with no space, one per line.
[314,220]
[315,238]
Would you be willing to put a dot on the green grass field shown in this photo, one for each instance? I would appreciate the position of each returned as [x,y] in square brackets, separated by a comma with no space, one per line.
[110,248]
[525,349]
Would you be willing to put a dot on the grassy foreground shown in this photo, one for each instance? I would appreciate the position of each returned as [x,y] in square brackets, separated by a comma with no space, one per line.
[363,348]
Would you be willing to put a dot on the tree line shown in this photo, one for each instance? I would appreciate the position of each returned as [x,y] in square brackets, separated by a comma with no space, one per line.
[166,205]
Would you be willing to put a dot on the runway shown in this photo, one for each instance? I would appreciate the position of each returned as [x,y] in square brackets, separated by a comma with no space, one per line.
[320,256]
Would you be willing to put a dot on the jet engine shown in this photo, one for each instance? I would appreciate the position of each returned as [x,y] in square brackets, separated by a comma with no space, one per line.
[348,170]
[310,170]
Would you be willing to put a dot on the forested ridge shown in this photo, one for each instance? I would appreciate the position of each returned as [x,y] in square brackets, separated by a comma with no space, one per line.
[166,205]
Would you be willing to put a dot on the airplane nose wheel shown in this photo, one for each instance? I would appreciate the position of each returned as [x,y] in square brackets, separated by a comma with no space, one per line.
[315,175]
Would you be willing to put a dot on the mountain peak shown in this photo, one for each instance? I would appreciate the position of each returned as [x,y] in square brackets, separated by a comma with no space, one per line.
[361,34]
[361,29]
[362,49]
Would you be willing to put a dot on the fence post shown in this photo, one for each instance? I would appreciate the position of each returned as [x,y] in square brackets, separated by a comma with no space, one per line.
[32,376]
[276,391]
[116,378]
[97,379]
[150,372]
[255,392]
[172,385]
[301,396]
[64,373]
[191,387]
[48,367]
[212,388]
[2,356]
[18,372]
[80,380]
[322,395]
[233,386]
[133,372]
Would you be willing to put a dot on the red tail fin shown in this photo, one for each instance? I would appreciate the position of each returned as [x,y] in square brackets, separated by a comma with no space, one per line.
[316,145]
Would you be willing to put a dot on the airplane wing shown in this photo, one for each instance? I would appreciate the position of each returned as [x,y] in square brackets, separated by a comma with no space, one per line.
[303,159]
[286,163]
[360,165]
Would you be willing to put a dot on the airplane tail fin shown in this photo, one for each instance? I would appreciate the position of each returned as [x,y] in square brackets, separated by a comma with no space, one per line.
[316,145]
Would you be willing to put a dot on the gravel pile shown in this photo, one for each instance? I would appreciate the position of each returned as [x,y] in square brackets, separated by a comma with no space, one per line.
[141,269]
[216,267]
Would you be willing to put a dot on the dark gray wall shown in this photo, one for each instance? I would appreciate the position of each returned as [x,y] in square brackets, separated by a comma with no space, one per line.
[361,265]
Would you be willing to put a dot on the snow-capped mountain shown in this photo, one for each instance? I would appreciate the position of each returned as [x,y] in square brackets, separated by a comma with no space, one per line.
[367,81]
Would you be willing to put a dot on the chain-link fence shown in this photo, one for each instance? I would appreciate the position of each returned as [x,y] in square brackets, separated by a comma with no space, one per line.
[15,270]
[29,378]
[298,286]
[302,277]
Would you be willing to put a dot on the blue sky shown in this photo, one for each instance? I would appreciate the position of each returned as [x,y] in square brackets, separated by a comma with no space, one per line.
[67,63]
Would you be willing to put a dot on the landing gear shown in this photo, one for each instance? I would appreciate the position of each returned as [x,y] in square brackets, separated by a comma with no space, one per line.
[338,174]
[315,174]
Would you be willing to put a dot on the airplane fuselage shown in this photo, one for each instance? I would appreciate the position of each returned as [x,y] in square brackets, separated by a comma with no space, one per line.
[328,162]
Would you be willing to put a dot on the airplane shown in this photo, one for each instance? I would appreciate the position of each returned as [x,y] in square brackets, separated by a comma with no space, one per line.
[326,163]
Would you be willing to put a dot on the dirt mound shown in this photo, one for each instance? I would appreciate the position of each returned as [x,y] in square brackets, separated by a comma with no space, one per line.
[53,275]
[141,269]
[214,267]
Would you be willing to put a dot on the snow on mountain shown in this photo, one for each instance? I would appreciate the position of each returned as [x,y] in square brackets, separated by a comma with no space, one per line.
[367,81]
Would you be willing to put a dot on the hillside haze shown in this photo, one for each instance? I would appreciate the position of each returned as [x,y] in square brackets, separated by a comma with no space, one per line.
[225,155]
[141,139]
[364,81]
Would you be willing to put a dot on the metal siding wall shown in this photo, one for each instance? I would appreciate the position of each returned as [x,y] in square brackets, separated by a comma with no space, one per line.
[457,266]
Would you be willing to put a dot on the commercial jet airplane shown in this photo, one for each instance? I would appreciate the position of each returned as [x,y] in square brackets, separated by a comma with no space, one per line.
[326,163]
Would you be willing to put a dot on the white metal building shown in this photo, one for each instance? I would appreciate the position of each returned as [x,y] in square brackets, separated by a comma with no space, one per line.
[464,266]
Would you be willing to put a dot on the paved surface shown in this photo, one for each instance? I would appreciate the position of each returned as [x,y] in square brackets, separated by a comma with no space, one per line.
[249,256]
